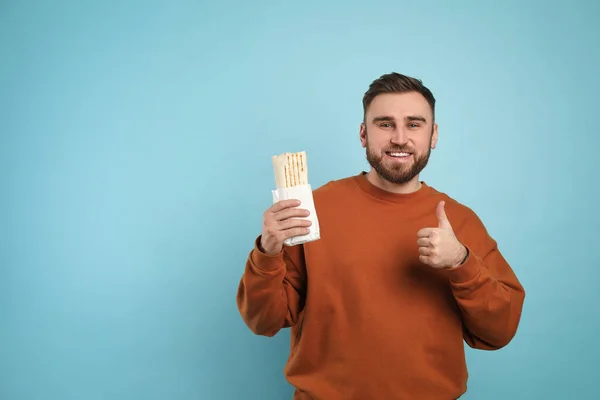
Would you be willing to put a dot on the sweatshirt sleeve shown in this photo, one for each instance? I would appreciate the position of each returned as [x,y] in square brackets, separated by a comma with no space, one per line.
[271,291]
[488,293]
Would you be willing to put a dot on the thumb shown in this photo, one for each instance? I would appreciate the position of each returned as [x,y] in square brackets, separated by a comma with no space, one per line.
[443,221]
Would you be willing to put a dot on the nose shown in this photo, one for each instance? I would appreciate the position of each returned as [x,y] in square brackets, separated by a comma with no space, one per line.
[399,137]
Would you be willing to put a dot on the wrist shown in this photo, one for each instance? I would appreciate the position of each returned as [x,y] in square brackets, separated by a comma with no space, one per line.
[465,256]
[266,250]
[462,257]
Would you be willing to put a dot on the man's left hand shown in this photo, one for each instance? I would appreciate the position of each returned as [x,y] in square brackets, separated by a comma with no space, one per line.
[439,247]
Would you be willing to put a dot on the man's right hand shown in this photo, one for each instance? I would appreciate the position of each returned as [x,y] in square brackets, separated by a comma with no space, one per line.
[282,221]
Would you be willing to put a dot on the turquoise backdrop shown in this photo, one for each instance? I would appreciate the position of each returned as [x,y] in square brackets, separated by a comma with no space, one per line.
[135,156]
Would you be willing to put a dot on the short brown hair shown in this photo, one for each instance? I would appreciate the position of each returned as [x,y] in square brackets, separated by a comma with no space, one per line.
[397,83]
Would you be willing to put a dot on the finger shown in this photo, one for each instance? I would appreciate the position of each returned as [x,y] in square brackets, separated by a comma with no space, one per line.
[290,213]
[426,232]
[288,233]
[424,259]
[293,223]
[425,251]
[284,204]
[443,221]
[426,242]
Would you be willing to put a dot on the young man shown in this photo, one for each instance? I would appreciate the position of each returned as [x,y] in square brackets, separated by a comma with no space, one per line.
[403,275]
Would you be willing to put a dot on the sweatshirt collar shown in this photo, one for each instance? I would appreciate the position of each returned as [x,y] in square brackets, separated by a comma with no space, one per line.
[366,186]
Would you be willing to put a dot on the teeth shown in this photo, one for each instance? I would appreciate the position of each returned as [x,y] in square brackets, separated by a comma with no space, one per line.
[399,154]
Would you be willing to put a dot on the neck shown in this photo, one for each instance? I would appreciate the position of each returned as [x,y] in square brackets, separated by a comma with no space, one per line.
[401,188]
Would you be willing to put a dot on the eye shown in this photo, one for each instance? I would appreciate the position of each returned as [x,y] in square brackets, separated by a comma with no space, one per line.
[385,125]
[412,125]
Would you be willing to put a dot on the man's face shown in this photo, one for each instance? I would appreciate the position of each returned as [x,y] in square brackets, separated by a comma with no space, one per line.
[398,134]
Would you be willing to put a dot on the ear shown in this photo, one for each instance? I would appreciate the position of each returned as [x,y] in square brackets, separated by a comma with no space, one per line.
[363,135]
[434,136]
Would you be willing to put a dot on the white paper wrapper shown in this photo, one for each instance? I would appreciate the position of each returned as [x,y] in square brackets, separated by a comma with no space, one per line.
[304,194]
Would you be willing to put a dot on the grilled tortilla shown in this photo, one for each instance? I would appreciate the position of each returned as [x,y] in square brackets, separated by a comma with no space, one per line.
[290,169]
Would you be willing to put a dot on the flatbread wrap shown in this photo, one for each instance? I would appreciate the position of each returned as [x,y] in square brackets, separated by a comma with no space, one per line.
[290,169]
[291,180]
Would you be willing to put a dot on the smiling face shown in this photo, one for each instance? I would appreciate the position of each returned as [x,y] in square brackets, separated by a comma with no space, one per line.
[398,133]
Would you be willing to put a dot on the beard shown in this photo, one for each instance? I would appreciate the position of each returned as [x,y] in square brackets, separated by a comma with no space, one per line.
[398,173]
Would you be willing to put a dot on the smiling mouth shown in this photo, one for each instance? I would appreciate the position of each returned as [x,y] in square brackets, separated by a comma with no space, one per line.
[398,154]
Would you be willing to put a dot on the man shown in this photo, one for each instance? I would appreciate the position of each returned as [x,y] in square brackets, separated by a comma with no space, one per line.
[403,275]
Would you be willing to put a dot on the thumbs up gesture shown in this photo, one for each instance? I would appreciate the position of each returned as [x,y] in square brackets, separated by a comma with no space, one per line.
[439,247]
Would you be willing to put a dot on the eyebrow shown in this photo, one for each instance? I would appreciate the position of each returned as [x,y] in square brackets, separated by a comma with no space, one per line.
[408,118]
[416,118]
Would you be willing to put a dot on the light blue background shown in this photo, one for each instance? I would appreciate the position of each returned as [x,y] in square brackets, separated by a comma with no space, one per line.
[129,130]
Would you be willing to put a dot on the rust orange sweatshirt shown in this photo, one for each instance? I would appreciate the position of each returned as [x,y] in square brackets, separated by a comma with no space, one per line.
[368,319]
